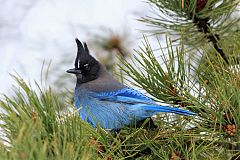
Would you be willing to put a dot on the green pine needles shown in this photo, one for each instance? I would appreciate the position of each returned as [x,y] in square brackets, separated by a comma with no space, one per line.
[40,124]
[199,22]
[36,127]
[210,89]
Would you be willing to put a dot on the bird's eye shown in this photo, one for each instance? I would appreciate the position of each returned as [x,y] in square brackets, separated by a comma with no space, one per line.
[86,66]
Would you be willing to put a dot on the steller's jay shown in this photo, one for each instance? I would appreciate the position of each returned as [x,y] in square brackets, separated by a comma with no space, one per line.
[103,100]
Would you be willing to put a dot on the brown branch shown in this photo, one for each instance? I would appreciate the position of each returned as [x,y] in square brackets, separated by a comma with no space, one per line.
[203,25]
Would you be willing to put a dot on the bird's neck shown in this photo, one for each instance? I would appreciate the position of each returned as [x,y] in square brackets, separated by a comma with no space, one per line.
[103,83]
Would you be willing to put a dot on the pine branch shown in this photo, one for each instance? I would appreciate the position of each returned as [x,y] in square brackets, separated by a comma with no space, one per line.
[196,20]
[204,26]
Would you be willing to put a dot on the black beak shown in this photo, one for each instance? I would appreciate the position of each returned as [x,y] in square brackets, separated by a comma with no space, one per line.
[74,71]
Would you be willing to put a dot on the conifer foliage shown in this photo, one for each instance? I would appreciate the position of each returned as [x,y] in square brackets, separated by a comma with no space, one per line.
[198,70]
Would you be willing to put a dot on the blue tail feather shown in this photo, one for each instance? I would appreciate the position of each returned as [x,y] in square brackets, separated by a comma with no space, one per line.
[167,109]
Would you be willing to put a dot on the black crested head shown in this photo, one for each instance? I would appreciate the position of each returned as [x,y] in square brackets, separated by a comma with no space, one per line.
[86,67]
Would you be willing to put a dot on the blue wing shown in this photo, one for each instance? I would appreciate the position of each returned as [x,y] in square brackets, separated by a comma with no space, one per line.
[137,101]
[125,95]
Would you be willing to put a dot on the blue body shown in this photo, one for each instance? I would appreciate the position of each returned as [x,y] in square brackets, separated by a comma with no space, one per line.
[115,109]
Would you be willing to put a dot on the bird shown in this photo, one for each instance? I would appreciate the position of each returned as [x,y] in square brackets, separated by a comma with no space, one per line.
[105,102]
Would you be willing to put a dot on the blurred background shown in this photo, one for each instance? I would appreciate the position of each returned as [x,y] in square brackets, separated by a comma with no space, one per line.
[38,36]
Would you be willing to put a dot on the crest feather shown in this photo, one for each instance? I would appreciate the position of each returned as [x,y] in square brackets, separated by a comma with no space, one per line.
[82,51]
